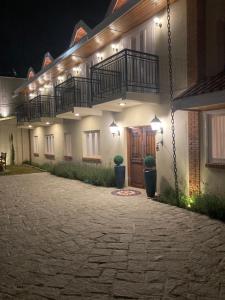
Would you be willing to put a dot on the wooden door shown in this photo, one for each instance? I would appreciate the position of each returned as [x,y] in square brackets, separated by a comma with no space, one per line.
[141,142]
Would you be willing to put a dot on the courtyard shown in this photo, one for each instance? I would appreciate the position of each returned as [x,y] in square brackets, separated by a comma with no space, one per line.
[63,239]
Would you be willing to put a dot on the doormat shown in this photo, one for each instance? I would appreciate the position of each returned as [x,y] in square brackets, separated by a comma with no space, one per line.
[126,193]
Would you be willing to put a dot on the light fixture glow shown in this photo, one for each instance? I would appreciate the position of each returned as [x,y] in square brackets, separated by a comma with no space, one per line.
[40,81]
[30,126]
[77,115]
[32,95]
[60,78]
[115,48]
[122,104]
[47,123]
[156,126]
[114,129]
[157,22]
[99,57]
[47,86]
[59,68]
[77,70]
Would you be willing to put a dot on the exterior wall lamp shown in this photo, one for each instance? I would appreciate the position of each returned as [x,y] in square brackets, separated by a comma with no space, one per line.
[114,129]
[157,22]
[115,48]
[99,57]
[156,125]
[77,70]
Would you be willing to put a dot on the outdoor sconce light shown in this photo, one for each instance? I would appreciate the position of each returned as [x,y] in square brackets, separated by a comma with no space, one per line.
[115,48]
[157,22]
[77,70]
[32,95]
[99,57]
[60,78]
[156,125]
[114,129]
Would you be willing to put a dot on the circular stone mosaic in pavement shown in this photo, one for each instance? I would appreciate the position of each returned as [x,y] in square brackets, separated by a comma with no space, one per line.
[126,193]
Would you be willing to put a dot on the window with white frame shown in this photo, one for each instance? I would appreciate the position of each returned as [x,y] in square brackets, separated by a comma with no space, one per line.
[91,144]
[67,144]
[35,144]
[216,137]
[49,144]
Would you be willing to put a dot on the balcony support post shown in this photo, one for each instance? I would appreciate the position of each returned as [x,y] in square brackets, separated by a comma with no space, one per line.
[126,72]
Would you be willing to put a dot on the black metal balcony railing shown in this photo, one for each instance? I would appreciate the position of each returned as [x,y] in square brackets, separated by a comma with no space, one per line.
[37,108]
[22,113]
[74,92]
[126,71]
[40,107]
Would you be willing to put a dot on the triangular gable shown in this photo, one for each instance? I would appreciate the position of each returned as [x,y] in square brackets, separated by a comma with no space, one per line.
[115,5]
[80,31]
[48,59]
[30,73]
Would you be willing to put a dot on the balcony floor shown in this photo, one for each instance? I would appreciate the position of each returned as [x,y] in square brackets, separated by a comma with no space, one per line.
[131,99]
[79,112]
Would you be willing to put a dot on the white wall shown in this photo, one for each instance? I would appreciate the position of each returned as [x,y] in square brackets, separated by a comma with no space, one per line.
[20,138]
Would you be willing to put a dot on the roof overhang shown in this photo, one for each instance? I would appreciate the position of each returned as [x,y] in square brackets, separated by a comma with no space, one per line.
[132,14]
[203,102]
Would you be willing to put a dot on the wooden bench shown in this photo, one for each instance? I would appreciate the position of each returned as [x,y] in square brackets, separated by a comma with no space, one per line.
[3,159]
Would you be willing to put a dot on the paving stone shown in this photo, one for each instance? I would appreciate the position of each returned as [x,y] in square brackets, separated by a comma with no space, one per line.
[63,239]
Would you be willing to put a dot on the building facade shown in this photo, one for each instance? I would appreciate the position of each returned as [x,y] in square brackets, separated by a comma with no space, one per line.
[8,122]
[205,98]
[117,74]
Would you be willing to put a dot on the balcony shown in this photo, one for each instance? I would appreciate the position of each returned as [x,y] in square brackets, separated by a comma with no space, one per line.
[22,114]
[128,74]
[73,98]
[38,111]
[41,107]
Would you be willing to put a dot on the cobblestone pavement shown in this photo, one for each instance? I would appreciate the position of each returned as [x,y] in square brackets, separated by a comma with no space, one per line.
[62,239]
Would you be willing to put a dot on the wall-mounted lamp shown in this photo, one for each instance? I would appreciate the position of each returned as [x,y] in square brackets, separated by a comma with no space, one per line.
[115,48]
[114,129]
[157,22]
[32,95]
[77,70]
[156,125]
[99,57]
[60,78]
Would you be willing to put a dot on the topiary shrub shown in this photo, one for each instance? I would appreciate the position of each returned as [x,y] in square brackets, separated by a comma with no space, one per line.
[149,162]
[118,160]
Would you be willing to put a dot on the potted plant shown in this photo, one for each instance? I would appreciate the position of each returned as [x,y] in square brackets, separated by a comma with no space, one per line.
[119,171]
[150,175]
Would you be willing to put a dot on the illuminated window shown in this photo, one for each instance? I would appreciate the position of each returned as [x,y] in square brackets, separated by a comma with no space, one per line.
[36,148]
[91,143]
[49,144]
[67,144]
[216,138]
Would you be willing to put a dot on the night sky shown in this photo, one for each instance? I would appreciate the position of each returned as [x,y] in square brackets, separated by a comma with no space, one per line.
[28,29]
